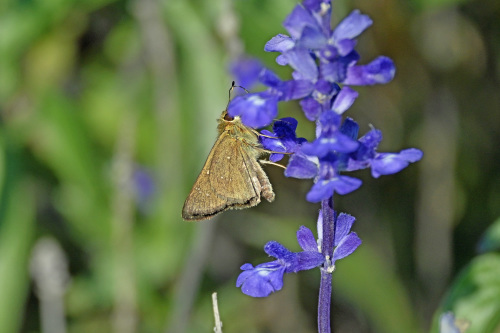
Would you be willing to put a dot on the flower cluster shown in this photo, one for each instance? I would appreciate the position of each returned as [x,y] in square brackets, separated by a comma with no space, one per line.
[337,149]
[325,66]
[265,278]
[321,58]
[262,280]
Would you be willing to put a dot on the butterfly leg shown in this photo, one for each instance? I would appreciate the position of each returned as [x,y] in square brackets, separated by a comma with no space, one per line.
[272,163]
[266,189]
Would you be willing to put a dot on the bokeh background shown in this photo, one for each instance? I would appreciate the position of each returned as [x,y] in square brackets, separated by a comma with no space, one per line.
[108,111]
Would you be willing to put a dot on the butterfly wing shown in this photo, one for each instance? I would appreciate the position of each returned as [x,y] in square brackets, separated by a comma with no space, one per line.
[202,202]
[232,175]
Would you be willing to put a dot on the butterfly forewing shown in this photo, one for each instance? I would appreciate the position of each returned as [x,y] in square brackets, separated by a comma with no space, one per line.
[234,183]
[202,203]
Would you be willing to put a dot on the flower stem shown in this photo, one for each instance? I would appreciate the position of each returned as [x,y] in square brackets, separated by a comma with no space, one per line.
[325,289]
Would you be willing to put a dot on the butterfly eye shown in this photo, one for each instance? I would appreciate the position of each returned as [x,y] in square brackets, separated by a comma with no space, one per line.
[228,117]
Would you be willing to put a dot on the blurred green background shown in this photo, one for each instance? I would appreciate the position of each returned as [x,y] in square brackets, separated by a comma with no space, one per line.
[108,111]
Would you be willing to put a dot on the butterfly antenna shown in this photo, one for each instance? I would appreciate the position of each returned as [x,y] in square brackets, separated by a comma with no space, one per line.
[231,89]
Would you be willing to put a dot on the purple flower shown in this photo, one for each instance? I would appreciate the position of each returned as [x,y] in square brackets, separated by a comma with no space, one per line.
[346,242]
[330,144]
[330,138]
[312,40]
[321,58]
[282,139]
[320,55]
[302,166]
[259,109]
[344,100]
[255,110]
[263,279]
[330,182]
[320,99]
[381,163]
[390,163]
[246,71]
[380,70]
[144,187]
[336,150]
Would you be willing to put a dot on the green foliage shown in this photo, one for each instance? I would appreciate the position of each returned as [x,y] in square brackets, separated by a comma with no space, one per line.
[491,238]
[473,296]
[17,227]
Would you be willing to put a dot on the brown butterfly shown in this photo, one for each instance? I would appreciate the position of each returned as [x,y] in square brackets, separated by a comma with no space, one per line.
[232,177]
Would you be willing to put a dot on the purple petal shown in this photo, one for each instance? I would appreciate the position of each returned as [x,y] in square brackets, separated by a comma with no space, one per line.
[322,11]
[261,280]
[255,110]
[305,261]
[246,71]
[312,39]
[272,145]
[346,184]
[278,251]
[246,267]
[274,157]
[284,130]
[345,46]
[295,89]
[346,246]
[411,154]
[311,107]
[282,59]
[388,163]
[298,19]
[324,145]
[301,60]
[351,26]
[279,43]
[371,139]
[286,127]
[144,184]
[283,139]
[313,5]
[350,128]
[343,226]
[329,123]
[306,239]
[354,165]
[324,87]
[344,99]
[323,189]
[336,70]
[302,167]
[270,79]
[328,53]
[380,70]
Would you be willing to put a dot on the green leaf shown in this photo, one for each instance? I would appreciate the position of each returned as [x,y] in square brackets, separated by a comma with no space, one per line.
[474,296]
[491,238]
[17,210]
